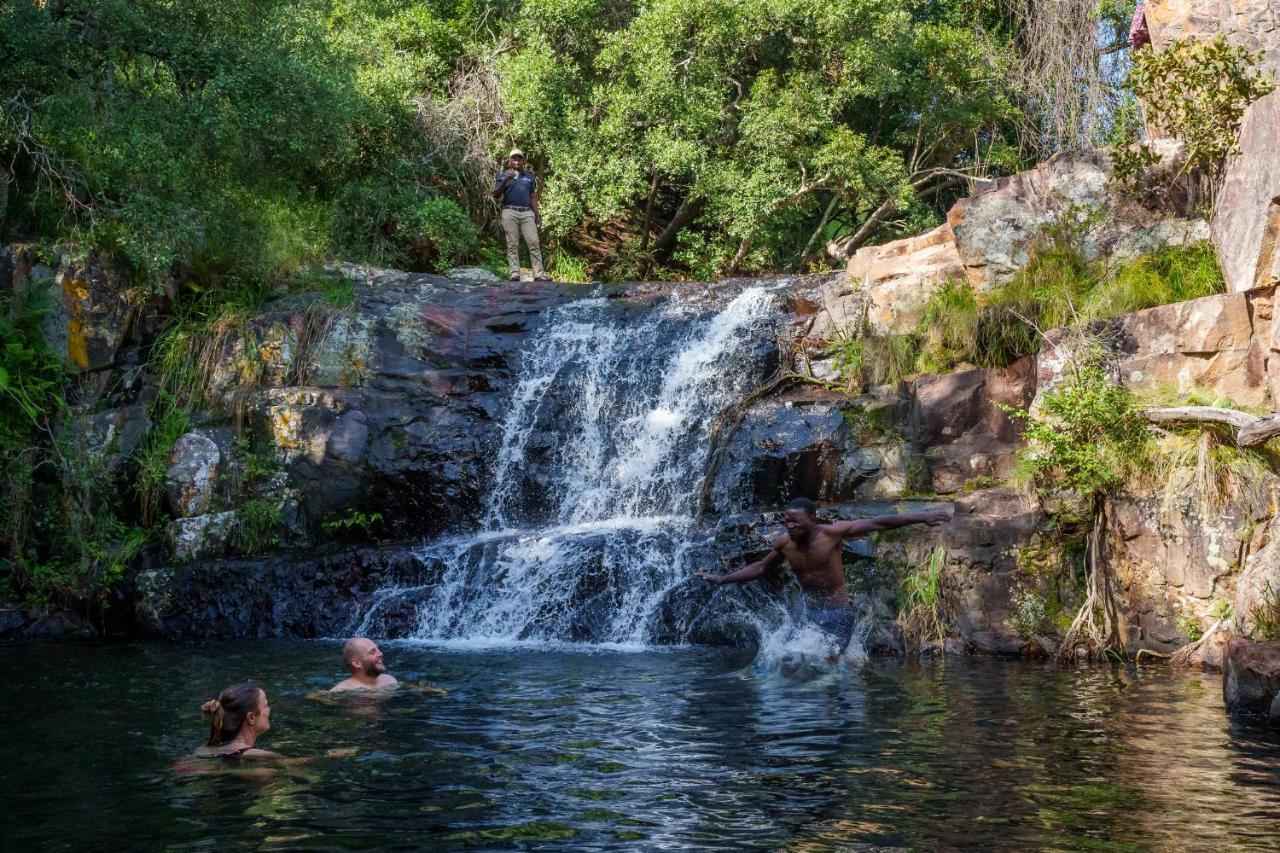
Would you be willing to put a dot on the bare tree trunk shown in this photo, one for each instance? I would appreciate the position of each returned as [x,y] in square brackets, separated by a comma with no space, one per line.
[844,248]
[811,248]
[744,248]
[648,221]
[685,214]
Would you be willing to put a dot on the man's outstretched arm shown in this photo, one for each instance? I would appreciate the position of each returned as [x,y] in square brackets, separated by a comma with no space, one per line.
[771,561]
[862,526]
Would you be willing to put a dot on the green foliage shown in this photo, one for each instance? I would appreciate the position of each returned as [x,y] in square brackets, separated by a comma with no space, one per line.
[1197,91]
[887,360]
[404,226]
[1190,627]
[846,352]
[1085,437]
[1266,614]
[567,267]
[257,526]
[31,374]
[154,455]
[248,139]
[1221,609]
[920,600]
[354,520]
[1170,274]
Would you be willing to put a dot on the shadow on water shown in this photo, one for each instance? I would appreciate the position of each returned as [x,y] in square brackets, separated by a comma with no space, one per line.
[685,748]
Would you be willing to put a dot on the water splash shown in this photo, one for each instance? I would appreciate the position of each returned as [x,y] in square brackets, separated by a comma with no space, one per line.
[590,520]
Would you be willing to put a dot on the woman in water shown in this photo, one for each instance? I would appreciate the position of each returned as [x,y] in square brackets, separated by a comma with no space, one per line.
[238,717]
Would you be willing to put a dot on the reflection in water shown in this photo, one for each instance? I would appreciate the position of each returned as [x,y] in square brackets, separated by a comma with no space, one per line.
[690,749]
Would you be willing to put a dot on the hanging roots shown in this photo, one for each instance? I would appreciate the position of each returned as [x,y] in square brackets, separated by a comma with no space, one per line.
[1097,624]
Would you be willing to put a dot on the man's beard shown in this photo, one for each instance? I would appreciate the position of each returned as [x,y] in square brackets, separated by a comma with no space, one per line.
[374,669]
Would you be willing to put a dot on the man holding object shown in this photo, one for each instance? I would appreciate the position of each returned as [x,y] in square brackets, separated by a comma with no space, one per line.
[517,189]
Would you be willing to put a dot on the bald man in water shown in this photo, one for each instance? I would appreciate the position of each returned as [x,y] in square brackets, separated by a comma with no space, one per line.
[364,659]
[813,551]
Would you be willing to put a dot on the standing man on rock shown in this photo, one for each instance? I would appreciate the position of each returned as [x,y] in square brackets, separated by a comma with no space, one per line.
[517,189]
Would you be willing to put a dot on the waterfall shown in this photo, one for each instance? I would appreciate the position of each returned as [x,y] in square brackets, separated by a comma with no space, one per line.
[590,521]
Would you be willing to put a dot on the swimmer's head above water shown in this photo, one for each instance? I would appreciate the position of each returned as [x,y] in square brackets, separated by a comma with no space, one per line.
[240,708]
[364,660]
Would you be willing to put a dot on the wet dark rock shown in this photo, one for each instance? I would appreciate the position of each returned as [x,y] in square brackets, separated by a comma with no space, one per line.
[1251,678]
[18,622]
[286,595]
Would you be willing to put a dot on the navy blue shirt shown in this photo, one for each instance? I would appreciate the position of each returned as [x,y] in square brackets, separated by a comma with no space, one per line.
[519,192]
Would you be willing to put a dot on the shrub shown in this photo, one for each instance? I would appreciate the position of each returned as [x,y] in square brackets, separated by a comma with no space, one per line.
[1198,92]
[1087,435]
[403,225]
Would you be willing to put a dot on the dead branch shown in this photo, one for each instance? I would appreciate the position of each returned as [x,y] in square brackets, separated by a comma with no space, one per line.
[1244,429]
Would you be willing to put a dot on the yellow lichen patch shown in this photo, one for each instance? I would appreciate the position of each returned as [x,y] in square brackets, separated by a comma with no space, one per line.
[77,344]
[286,428]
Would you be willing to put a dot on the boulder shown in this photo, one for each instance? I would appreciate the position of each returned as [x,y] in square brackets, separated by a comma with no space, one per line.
[988,237]
[200,537]
[192,477]
[1208,343]
[1251,678]
[886,287]
[997,225]
[1246,222]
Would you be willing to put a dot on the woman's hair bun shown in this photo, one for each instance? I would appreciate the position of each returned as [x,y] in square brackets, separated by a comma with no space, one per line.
[211,707]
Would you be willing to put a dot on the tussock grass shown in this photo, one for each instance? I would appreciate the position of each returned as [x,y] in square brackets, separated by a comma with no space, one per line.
[1057,288]
[920,600]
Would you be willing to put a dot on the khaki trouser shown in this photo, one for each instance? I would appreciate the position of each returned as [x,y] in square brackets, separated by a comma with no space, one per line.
[519,223]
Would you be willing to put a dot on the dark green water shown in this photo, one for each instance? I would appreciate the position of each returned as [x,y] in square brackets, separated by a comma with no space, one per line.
[675,750]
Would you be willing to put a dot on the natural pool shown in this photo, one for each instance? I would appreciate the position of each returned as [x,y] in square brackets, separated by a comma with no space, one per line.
[661,749]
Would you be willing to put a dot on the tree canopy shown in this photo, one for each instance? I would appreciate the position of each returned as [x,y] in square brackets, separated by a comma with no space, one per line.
[245,139]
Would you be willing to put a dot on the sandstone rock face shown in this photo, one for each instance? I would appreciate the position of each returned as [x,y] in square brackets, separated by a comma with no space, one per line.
[1246,223]
[1259,583]
[996,226]
[1176,559]
[1218,343]
[959,429]
[988,237]
[1253,24]
[1251,678]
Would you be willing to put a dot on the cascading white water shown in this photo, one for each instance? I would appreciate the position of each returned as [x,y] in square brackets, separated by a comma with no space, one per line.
[590,520]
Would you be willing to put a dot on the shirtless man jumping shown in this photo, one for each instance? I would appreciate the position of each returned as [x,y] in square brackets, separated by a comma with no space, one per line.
[813,551]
